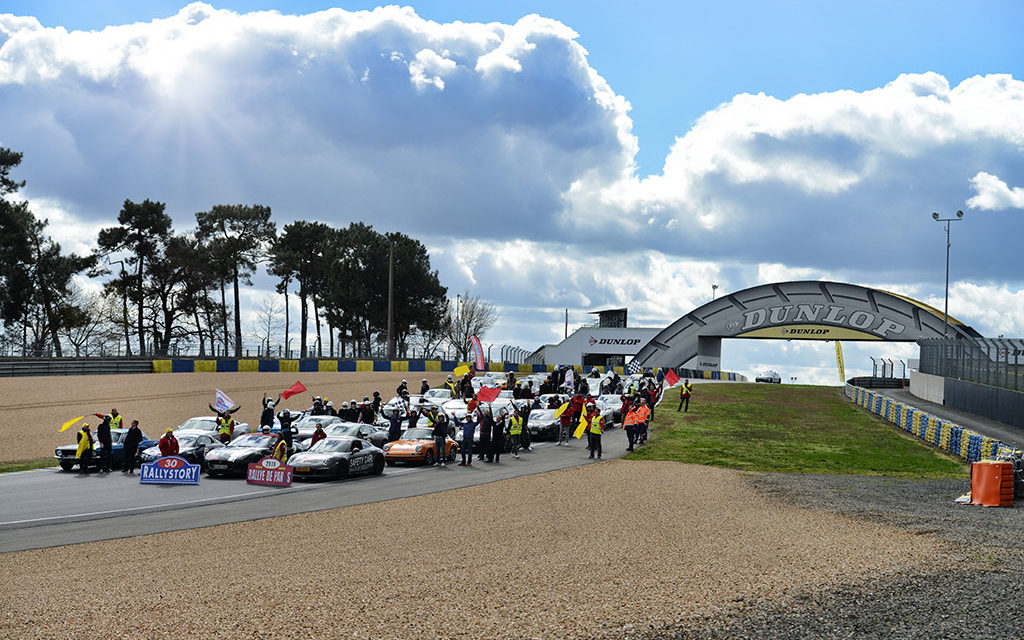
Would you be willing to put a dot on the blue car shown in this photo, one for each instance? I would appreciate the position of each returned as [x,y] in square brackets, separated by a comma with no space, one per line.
[66,454]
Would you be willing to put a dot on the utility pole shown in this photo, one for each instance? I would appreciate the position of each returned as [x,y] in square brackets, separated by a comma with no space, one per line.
[391,300]
[566,322]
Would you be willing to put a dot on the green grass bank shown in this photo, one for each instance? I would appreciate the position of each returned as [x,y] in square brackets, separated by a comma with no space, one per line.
[787,428]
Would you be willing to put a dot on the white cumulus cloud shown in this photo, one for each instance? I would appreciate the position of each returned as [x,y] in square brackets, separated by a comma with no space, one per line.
[993,193]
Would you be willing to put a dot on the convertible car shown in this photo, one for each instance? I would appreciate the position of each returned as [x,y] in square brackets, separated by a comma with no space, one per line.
[338,458]
[417,445]
[65,454]
[193,445]
[235,458]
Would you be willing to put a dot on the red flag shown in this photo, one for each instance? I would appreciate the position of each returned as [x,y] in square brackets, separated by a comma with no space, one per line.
[488,394]
[293,390]
[671,378]
[471,406]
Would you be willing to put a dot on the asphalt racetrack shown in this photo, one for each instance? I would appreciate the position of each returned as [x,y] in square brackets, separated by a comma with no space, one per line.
[50,507]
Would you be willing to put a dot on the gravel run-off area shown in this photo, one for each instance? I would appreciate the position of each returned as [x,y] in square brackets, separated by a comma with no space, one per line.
[33,408]
[619,549]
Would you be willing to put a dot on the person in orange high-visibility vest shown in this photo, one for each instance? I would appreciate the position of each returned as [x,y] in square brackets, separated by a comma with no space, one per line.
[280,450]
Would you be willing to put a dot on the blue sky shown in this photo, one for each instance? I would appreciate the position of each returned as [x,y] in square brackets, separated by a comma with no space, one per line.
[695,143]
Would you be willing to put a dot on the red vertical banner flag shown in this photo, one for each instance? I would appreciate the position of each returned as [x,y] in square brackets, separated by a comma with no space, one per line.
[671,378]
[296,388]
[478,353]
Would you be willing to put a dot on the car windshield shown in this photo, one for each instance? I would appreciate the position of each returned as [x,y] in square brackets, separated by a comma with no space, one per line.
[437,393]
[611,400]
[342,430]
[418,434]
[332,445]
[206,424]
[185,441]
[253,440]
[310,422]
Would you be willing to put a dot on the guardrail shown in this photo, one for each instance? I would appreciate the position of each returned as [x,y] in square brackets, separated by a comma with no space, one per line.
[946,435]
[71,367]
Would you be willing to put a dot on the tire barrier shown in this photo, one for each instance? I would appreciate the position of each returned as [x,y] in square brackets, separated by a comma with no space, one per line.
[189,365]
[948,436]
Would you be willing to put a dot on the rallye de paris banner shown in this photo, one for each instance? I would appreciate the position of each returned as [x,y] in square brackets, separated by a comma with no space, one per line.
[269,471]
[169,470]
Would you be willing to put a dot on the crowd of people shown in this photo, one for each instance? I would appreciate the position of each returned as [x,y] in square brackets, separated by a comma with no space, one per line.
[578,416]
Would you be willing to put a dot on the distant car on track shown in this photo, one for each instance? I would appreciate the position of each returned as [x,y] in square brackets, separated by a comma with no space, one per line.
[771,377]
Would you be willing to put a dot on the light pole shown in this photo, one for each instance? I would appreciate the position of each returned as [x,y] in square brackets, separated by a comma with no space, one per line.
[714,289]
[945,313]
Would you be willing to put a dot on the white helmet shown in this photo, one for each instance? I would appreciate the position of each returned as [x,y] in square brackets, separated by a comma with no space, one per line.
[270,404]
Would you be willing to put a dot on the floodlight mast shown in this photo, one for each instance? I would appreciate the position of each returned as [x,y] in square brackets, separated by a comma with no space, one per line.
[945,313]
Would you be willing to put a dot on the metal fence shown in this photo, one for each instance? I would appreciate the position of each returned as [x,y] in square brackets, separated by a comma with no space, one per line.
[997,362]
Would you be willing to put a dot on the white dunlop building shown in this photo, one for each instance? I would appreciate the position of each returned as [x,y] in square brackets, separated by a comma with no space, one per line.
[601,346]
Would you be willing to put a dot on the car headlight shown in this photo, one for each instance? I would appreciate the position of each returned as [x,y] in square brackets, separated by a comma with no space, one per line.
[387,447]
[419,448]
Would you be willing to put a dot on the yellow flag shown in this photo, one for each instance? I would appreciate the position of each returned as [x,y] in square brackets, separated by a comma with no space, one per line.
[839,363]
[582,426]
[461,370]
[560,410]
[70,423]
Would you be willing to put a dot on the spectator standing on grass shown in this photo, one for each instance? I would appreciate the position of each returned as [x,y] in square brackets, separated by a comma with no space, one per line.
[685,392]
[106,444]
[168,444]
[85,445]
[132,439]
[366,413]
[375,404]
[404,387]
[115,419]
[425,387]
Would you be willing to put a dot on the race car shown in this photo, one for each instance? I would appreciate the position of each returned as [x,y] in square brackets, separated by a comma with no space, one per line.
[338,458]
[235,458]
[65,454]
[374,435]
[417,445]
[193,445]
[771,377]
[209,425]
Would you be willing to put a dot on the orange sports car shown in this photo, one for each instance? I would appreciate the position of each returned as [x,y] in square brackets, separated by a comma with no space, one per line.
[417,445]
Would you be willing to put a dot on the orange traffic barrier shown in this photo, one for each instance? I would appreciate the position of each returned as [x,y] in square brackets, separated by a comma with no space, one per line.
[992,484]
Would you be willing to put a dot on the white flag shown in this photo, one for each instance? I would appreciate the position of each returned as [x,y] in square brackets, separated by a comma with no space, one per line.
[568,378]
[223,401]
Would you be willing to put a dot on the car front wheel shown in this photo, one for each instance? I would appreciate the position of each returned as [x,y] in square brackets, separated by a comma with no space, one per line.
[428,459]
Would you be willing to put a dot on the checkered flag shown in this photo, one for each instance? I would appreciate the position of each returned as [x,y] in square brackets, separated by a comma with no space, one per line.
[633,366]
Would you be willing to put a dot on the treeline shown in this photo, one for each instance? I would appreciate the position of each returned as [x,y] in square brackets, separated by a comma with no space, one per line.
[164,289]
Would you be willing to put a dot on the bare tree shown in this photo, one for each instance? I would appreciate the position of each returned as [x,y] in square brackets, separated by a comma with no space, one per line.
[269,319]
[93,325]
[467,316]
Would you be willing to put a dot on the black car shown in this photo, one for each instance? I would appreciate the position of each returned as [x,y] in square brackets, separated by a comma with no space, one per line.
[65,454]
[375,435]
[234,459]
[193,445]
[543,424]
[338,458]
